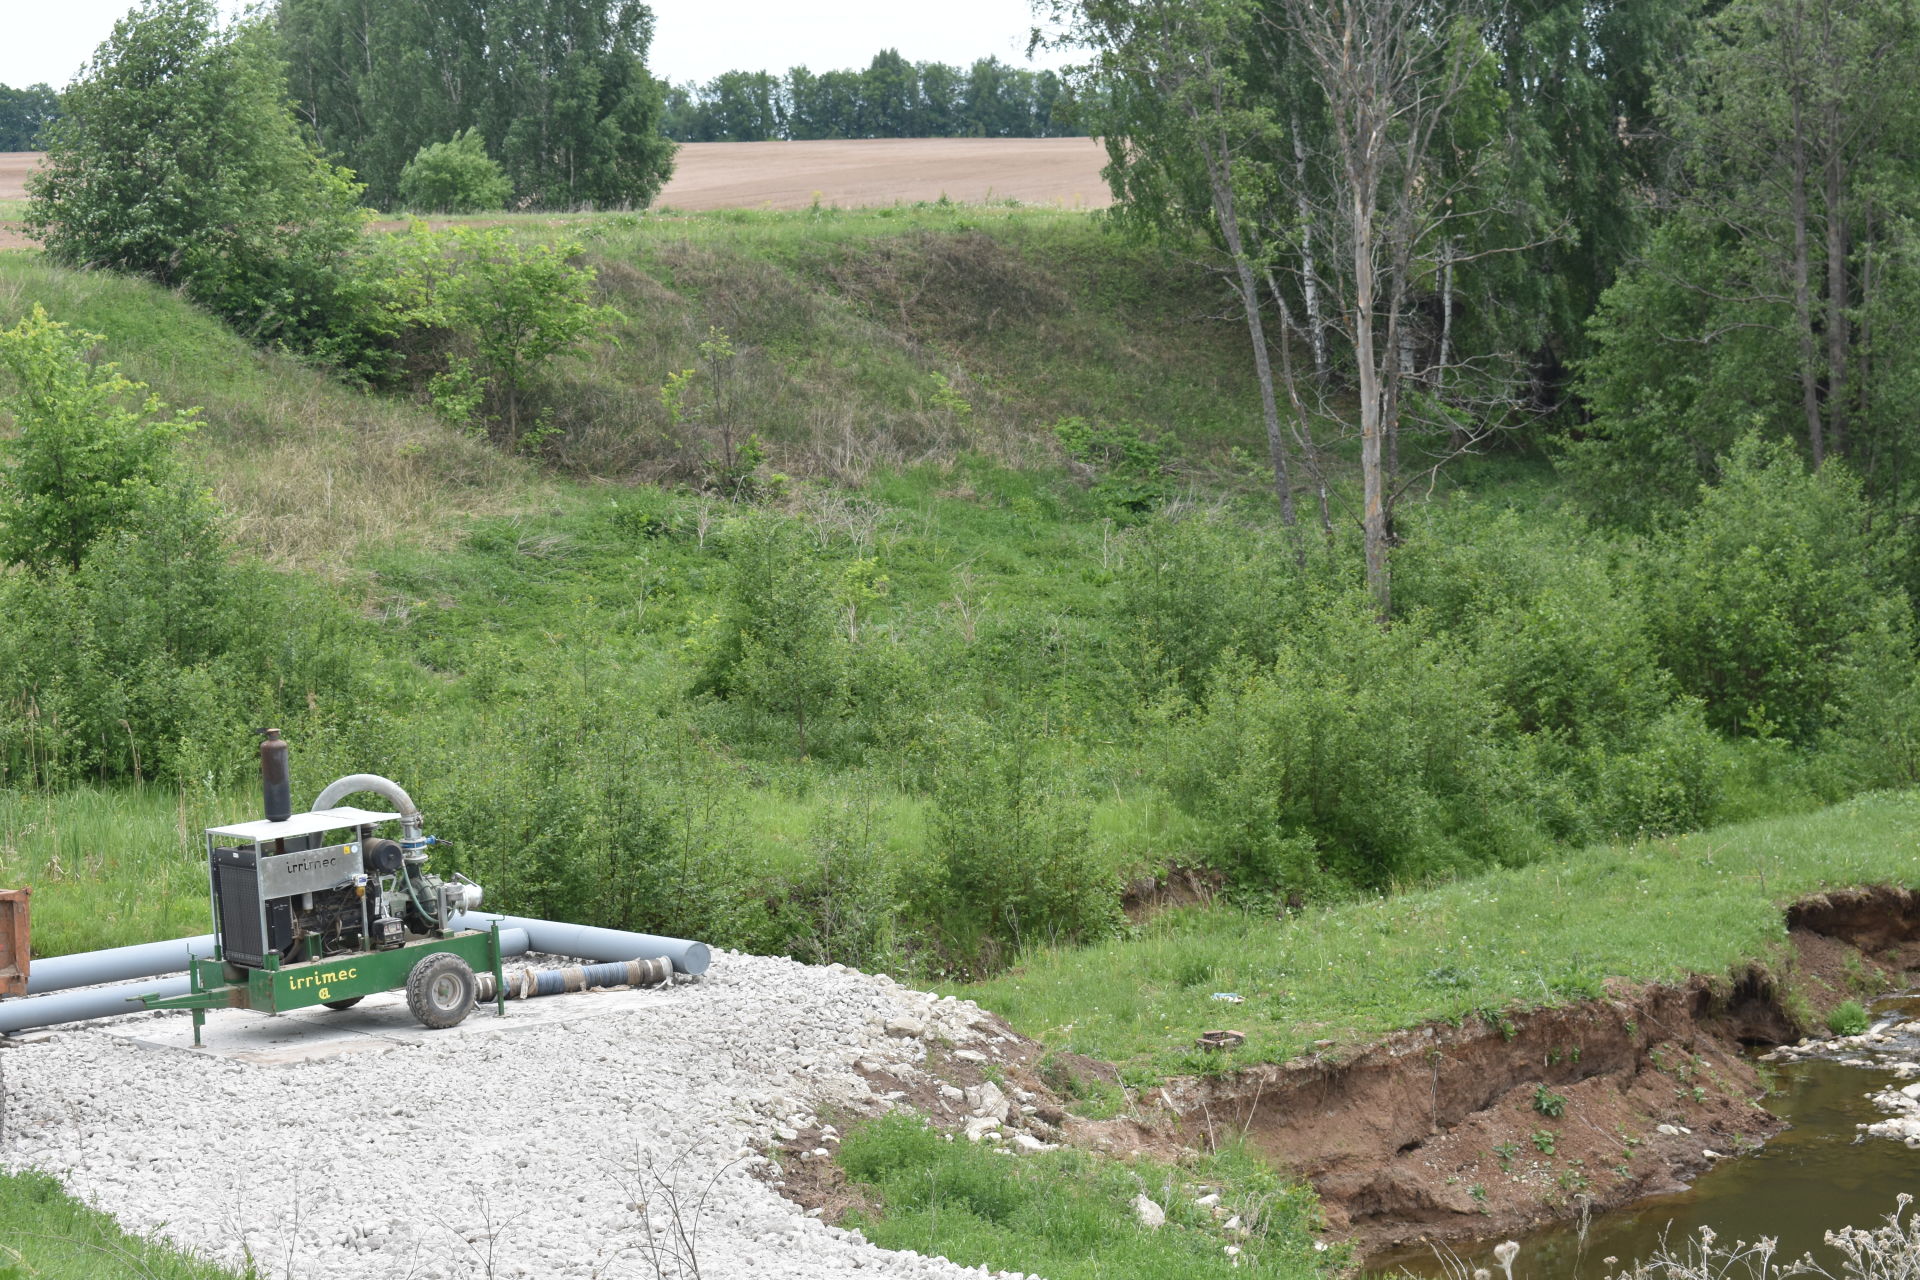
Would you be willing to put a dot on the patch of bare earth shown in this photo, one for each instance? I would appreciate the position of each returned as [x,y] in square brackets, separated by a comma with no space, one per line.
[1457,1132]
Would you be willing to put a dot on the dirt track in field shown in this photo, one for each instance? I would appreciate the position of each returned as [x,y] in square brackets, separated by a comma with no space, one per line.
[1060,172]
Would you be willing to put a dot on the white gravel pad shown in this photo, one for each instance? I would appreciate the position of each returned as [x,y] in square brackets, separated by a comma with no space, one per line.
[563,1147]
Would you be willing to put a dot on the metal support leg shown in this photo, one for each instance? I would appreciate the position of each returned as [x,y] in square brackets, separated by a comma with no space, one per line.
[499,976]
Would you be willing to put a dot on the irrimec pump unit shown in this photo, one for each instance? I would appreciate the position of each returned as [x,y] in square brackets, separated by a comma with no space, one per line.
[321,908]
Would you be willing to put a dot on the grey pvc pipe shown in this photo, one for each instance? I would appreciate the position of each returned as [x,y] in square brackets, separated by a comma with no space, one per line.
[589,943]
[341,788]
[120,964]
[78,1006]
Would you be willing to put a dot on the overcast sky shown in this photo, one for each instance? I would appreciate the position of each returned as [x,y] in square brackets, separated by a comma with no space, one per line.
[693,39]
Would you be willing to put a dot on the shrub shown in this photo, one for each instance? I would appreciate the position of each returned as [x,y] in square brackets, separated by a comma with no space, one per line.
[1010,861]
[1772,599]
[1201,587]
[1847,1019]
[90,452]
[456,176]
[1358,757]
[480,314]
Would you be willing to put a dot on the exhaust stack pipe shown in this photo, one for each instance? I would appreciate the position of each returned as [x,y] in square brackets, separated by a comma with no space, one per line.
[275,786]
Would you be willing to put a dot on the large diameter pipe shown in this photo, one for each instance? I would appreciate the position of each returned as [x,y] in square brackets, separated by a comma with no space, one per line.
[589,943]
[78,1006]
[120,964]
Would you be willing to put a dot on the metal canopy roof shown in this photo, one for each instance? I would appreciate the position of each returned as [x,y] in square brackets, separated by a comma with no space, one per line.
[303,824]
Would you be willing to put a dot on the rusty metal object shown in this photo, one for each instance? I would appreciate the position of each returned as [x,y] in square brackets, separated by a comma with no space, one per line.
[15,941]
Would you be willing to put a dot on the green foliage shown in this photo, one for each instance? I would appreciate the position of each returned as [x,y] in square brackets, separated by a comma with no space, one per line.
[1200,588]
[1129,465]
[891,98]
[778,648]
[491,311]
[1009,862]
[1358,757]
[558,90]
[91,451]
[1847,1019]
[24,113]
[1548,1103]
[1068,1214]
[456,176]
[177,157]
[1773,597]
[44,1231]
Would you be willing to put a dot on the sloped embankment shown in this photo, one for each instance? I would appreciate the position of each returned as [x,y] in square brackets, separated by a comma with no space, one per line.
[1448,1132]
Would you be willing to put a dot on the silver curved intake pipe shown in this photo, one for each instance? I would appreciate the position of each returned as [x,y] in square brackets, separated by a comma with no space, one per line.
[410,821]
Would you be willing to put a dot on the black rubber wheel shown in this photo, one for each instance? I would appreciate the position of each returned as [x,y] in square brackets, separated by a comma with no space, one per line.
[348,1003]
[440,990]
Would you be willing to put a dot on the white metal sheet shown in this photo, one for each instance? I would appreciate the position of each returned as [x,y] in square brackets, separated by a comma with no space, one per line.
[302,824]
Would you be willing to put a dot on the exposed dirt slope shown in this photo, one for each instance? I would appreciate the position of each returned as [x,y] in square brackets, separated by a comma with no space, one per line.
[1452,1132]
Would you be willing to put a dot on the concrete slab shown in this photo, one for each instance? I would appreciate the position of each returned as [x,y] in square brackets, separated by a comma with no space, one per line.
[378,1024]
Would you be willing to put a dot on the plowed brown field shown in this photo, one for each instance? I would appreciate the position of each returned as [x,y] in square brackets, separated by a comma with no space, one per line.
[1062,172]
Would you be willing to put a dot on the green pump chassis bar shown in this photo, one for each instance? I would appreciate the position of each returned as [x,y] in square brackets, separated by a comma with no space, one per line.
[276,988]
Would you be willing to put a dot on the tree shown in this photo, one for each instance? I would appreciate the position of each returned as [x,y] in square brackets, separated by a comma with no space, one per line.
[456,176]
[506,307]
[91,450]
[1779,292]
[558,89]
[24,113]
[1176,72]
[178,158]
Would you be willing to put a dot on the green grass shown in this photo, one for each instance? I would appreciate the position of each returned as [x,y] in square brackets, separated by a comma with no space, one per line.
[1067,1214]
[44,1232]
[1543,934]
[111,867]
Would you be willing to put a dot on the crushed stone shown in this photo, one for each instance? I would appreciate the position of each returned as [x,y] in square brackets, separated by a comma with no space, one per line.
[622,1144]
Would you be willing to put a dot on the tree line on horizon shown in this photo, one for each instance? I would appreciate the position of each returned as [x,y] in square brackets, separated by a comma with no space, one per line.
[891,98]
[24,113]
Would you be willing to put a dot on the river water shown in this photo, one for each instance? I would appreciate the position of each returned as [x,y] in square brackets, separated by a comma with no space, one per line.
[1816,1176]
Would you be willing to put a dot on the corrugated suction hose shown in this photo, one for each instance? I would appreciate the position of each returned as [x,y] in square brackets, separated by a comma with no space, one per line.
[525,984]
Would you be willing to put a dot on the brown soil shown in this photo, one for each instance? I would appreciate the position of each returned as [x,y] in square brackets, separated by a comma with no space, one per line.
[1064,172]
[1148,896]
[1061,172]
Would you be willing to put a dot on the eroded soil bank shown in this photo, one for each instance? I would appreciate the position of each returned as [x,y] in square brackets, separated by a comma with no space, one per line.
[1448,1133]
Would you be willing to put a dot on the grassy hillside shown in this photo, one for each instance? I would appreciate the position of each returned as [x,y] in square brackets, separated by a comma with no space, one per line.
[1656,910]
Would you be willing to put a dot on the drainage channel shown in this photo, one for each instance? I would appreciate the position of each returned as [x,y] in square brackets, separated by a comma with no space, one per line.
[1821,1174]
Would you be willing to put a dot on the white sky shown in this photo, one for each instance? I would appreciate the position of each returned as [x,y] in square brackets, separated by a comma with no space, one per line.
[693,39]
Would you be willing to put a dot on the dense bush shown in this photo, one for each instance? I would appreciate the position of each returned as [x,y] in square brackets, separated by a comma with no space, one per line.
[1009,862]
[1359,756]
[1774,598]
[91,451]
[456,176]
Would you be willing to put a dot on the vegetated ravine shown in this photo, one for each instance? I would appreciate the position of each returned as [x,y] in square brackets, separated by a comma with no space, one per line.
[1484,1129]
